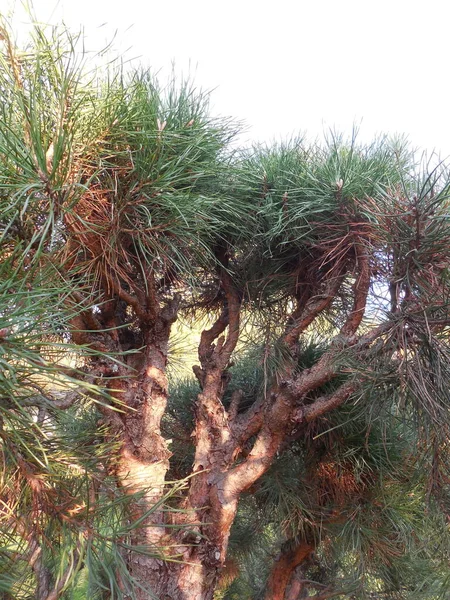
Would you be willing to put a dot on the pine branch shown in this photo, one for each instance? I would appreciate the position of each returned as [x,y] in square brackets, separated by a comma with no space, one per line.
[327,402]
[313,308]
[360,290]
[234,311]
[208,336]
[285,564]
[324,370]
[271,418]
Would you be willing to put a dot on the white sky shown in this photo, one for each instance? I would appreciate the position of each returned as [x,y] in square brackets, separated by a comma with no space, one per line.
[286,66]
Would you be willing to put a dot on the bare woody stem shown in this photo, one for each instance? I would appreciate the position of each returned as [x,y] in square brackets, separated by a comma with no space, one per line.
[316,305]
[284,566]
[360,290]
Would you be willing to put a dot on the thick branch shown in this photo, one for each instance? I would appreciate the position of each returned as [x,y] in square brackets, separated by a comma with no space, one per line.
[271,422]
[234,312]
[214,444]
[283,568]
[152,303]
[268,441]
[80,332]
[229,317]
[262,415]
[143,315]
[324,370]
[208,336]
[247,424]
[214,359]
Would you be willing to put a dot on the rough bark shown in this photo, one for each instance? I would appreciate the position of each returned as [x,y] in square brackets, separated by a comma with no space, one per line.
[210,507]
[144,456]
[295,588]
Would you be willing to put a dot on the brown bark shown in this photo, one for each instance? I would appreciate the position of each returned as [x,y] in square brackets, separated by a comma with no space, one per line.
[144,460]
[303,316]
[286,563]
[216,489]
[219,481]
[144,456]
[295,589]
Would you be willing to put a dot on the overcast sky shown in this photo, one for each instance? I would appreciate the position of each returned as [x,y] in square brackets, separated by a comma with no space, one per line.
[286,67]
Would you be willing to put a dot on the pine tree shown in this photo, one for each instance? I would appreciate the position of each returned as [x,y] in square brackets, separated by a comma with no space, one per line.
[124,210]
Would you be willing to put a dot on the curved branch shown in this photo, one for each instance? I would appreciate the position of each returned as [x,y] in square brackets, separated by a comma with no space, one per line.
[215,359]
[360,290]
[208,336]
[143,315]
[324,370]
[271,418]
[234,313]
[288,560]
[313,308]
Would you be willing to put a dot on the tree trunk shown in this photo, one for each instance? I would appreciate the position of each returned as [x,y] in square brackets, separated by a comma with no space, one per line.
[197,540]
[144,456]
[198,545]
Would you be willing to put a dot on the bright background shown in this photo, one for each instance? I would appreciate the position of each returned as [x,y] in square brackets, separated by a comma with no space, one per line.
[286,66]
